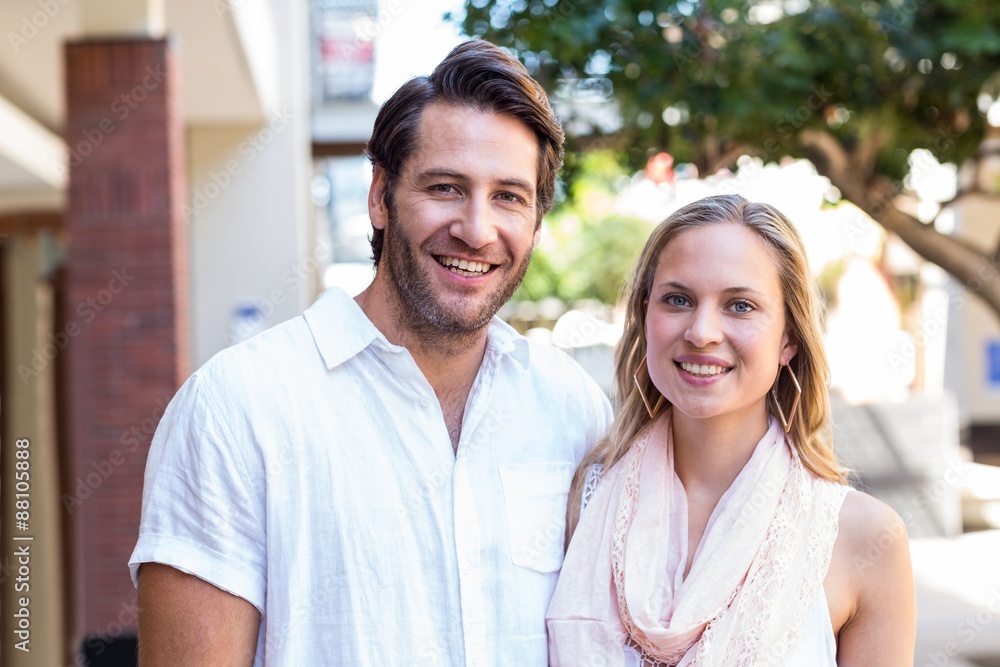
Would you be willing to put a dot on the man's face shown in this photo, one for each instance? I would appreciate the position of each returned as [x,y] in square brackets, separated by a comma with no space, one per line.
[459,235]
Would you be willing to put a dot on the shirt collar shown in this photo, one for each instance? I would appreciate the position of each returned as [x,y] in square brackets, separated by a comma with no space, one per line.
[503,339]
[339,327]
[341,330]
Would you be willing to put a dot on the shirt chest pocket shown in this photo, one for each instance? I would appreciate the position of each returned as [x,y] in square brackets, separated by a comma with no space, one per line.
[535,496]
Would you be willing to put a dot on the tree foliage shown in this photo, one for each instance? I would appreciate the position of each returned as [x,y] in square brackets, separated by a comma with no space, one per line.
[589,249]
[854,86]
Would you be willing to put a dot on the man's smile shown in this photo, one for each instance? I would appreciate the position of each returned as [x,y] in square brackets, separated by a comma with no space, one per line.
[463,267]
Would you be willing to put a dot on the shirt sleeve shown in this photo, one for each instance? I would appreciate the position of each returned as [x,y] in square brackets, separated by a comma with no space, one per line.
[203,495]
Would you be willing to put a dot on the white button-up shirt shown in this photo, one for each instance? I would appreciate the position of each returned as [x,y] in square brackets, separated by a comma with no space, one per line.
[310,471]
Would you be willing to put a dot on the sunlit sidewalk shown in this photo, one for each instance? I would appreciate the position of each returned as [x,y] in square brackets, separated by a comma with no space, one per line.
[958,600]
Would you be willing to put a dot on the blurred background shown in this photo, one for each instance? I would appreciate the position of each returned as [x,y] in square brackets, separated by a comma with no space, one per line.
[178,175]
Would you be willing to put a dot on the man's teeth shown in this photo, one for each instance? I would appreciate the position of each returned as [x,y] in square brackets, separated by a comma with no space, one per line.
[703,369]
[463,266]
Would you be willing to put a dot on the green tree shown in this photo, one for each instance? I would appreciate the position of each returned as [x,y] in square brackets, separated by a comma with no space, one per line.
[855,86]
[590,248]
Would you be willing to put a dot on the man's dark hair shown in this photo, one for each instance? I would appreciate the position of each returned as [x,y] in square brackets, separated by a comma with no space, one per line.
[476,75]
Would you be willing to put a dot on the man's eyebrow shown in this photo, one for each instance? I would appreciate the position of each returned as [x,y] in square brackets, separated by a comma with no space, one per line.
[456,176]
[517,183]
[440,173]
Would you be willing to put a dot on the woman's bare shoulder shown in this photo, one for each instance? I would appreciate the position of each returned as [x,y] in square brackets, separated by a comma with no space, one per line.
[869,525]
[872,573]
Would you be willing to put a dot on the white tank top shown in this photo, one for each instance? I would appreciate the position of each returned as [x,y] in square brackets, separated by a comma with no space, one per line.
[817,646]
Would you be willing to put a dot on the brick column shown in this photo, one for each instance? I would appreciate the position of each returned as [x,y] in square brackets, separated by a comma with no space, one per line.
[126,303]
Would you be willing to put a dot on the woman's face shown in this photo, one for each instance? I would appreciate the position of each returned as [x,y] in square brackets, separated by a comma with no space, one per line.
[715,323]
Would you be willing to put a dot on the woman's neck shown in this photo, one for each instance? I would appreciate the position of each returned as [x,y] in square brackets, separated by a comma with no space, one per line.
[710,453]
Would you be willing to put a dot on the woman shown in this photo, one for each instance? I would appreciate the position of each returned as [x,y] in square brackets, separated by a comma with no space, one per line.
[717,528]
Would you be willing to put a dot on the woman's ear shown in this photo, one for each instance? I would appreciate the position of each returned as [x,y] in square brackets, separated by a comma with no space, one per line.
[789,348]
[378,212]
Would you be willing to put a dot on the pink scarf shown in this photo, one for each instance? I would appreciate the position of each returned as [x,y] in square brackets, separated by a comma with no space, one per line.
[755,574]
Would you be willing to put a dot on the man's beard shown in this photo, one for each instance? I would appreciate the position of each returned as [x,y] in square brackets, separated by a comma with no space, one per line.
[420,307]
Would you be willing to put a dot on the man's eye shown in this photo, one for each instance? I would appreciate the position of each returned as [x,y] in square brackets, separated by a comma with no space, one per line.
[509,197]
[443,187]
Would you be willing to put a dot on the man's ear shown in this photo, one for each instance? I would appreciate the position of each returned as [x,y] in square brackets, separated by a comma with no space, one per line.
[378,212]
[537,237]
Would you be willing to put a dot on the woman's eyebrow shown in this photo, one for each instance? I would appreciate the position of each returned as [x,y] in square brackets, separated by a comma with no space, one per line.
[736,289]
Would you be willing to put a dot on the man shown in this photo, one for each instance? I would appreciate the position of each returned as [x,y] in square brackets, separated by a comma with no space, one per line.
[383,480]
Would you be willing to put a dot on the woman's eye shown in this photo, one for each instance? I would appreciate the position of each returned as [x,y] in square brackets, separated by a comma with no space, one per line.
[676,300]
[742,307]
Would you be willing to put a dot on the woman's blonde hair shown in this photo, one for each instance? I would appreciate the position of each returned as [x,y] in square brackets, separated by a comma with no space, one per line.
[810,431]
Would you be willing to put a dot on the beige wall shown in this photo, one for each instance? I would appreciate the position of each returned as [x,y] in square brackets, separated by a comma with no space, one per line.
[29,414]
[971,324]
[252,233]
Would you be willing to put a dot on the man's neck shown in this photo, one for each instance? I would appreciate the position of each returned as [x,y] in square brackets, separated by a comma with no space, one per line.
[437,352]
[449,361]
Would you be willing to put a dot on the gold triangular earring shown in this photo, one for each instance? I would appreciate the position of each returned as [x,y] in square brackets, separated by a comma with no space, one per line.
[642,394]
[786,423]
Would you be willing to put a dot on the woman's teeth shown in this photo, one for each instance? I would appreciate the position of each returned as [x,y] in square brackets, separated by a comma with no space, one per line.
[703,369]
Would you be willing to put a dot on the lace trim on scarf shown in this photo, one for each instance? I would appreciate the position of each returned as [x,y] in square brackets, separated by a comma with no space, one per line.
[819,553]
[752,617]
[623,521]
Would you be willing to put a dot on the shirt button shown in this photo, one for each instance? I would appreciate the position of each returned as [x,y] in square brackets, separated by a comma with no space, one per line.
[425,402]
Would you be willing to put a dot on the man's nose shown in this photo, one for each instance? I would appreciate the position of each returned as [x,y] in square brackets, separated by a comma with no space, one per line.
[477,225]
